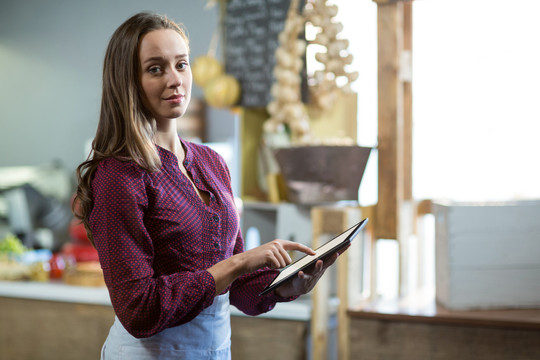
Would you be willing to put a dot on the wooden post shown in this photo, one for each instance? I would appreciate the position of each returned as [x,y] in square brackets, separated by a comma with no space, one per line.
[390,107]
[320,296]
[407,216]
[393,220]
[349,271]
[395,114]
[332,220]
[406,78]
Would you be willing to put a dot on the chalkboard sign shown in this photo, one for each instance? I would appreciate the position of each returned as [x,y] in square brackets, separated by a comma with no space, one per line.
[251,39]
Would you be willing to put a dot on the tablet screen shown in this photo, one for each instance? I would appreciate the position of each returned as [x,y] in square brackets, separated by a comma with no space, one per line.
[326,249]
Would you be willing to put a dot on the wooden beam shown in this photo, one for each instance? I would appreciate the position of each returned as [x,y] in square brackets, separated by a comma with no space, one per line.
[390,123]
[332,220]
[320,294]
[349,268]
[424,207]
[407,102]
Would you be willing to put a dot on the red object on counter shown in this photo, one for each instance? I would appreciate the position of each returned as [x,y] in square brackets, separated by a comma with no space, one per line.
[80,252]
[78,233]
[80,249]
[57,266]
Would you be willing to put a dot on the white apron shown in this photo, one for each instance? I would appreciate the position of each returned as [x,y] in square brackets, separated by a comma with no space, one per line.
[207,337]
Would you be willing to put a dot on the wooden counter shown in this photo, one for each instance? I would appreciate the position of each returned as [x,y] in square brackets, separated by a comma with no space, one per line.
[420,329]
[57,321]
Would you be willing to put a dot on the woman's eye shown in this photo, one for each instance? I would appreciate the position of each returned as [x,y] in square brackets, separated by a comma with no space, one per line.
[154,70]
[182,65]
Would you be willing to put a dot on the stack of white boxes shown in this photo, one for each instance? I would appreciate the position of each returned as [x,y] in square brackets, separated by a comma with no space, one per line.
[487,254]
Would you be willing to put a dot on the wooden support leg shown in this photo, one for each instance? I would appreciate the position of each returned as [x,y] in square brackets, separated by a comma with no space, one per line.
[320,296]
[332,221]
[349,281]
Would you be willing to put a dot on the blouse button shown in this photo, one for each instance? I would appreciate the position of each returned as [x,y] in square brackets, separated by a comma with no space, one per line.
[196,181]
[216,218]
[216,245]
[186,163]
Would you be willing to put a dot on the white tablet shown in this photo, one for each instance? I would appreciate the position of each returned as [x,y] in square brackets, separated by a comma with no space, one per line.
[322,252]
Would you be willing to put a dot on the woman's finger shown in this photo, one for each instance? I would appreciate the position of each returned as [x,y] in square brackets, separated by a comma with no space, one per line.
[273,263]
[281,254]
[285,256]
[314,271]
[290,245]
[344,249]
[330,261]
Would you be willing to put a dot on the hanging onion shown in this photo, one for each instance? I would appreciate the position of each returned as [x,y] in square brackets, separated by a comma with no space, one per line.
[223,91]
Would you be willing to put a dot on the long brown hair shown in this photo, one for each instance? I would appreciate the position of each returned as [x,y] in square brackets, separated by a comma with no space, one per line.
[126,128]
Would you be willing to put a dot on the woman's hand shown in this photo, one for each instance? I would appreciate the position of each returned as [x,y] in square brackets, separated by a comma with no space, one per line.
[273,254]
[306,281]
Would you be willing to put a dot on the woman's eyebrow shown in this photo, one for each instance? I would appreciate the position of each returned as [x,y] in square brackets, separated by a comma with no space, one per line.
[161,58]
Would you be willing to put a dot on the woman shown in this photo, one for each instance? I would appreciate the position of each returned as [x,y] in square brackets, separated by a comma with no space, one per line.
[161,214]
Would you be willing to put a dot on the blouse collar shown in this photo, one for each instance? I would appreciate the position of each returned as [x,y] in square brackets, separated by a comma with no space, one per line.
[188,153]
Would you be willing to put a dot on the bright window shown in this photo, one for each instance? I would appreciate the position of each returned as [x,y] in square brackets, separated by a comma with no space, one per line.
[476,90]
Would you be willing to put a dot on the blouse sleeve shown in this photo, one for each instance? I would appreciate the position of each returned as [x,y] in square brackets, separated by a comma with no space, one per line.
[244,292]
[145,304]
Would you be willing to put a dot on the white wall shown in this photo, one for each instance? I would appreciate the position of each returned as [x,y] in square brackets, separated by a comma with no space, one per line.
[51,55]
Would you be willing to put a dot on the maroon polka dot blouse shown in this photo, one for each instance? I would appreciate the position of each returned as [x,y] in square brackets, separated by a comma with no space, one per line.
[156,238]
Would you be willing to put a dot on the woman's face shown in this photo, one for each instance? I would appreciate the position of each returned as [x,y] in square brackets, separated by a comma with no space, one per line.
[165,74]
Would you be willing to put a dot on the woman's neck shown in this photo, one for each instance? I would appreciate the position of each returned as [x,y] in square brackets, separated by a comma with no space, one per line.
[167,138]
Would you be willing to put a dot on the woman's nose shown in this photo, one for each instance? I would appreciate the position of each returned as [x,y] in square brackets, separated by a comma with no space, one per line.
[174,79]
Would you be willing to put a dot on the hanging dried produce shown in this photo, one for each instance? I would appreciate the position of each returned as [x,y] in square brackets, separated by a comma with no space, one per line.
[334,55]
[286,107]
[205,68]
[220,89]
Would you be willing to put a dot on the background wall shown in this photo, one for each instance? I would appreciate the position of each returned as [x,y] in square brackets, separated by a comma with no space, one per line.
[51,55]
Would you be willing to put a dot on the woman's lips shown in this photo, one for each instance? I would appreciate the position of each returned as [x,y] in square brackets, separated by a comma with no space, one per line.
[175,99]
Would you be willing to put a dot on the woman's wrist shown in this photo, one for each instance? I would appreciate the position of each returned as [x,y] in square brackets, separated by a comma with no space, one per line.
[225,272]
